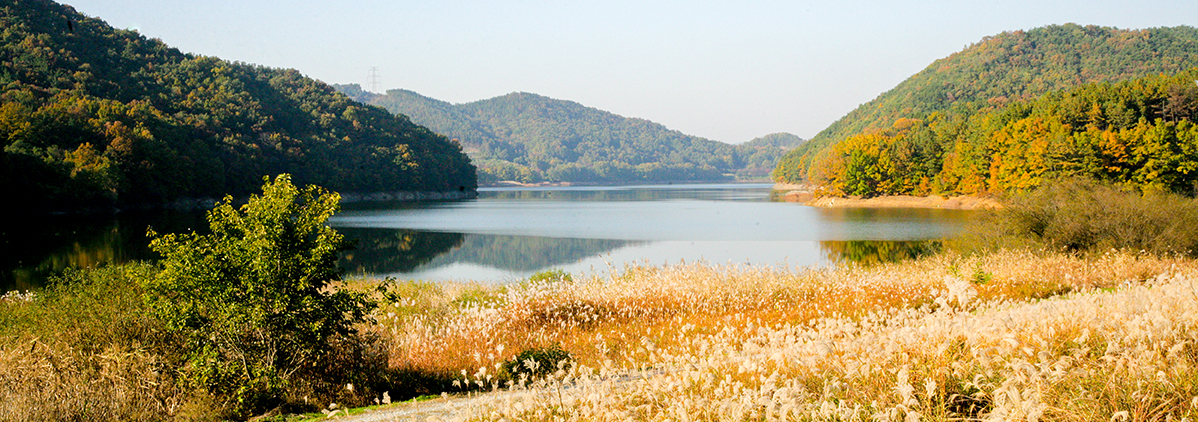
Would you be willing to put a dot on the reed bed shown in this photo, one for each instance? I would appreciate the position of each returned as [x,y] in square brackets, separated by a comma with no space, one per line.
[1004,336]
[82,349]
[53,381]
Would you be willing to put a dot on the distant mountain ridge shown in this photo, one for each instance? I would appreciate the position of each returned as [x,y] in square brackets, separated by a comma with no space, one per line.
[1012,66]
[92,116]
[531,138]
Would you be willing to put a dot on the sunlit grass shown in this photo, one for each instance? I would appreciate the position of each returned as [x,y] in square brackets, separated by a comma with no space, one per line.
[1009,335]
[84,349]
[1000,336]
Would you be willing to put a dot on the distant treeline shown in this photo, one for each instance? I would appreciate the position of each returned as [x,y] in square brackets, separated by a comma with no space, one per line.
[983,120]
[95,116]
[530,138]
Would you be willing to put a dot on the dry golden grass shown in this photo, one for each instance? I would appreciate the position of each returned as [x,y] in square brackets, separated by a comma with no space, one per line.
[82,349]
[942,338]
[1003,336]
[53,381]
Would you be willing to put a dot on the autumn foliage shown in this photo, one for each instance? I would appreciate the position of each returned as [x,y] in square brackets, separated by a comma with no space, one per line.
[1138,133]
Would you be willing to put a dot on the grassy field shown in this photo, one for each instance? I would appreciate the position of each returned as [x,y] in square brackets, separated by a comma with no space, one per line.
[1003,336]
[998,336]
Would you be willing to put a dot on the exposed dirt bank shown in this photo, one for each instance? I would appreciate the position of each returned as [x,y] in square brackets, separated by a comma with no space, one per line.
[806,195]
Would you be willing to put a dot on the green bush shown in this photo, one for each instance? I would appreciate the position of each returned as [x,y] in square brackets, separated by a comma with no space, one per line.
[478,295]
[89,308]
[551,276]
[1085,216]
[535,363]
[252,300]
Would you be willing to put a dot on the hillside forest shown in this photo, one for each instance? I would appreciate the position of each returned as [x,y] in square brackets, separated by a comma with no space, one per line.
[1139,133]
[97,117]
[530,138]
[1019,108]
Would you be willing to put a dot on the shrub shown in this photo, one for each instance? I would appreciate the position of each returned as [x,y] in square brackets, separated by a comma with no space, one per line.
[91,309]
[549,276]
[252,300]
[1085,216]
[535,363]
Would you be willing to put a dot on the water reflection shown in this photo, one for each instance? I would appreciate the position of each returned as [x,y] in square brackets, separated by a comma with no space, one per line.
[511,233]
[872,252]
[33,249]
[394,251]
[526,253]
[706,192]
[891,224]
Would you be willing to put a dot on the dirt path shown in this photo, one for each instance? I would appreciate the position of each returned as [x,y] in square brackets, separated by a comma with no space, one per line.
[446,408]
[435,410]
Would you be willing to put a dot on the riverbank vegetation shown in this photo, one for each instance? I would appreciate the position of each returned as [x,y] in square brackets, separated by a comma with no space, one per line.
[238,322]
[1017,337]
[993,334]
[1026,322]
[1056,316]
[1087,217]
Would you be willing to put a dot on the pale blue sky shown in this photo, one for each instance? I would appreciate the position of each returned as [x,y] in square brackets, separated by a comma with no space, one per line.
[724,70]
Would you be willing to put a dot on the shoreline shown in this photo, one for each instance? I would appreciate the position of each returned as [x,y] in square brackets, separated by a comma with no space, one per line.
[805,194]
[207,203]
[515,184]
[193,204]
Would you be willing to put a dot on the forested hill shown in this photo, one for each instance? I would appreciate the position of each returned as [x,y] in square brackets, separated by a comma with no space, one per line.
[531,138]
[95,116]
[1019,65]
[1139,133]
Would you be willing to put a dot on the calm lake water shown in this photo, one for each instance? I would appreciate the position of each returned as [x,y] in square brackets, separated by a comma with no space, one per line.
[510,233]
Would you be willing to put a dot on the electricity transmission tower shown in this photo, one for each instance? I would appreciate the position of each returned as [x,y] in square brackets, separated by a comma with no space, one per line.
[374,79]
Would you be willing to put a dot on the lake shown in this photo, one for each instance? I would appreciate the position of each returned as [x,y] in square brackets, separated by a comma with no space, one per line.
[510,233]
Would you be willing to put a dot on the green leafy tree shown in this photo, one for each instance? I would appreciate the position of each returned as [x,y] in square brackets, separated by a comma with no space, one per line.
[252,300]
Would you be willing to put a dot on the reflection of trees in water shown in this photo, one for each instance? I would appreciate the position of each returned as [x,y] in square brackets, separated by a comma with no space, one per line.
[526,253]
[870,252]
[35,248]
[381,251]
[617,194]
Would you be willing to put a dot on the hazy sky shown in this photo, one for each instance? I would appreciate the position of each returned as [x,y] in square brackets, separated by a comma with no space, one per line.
[725,70]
